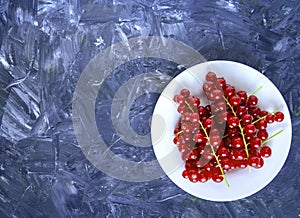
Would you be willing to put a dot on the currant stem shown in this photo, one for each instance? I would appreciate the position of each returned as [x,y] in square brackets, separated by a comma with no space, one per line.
[178,133]
[240,126]
[261,118]
[256,91]
[189,106]
[270,138]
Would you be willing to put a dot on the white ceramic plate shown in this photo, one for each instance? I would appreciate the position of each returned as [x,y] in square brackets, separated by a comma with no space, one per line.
[165,117]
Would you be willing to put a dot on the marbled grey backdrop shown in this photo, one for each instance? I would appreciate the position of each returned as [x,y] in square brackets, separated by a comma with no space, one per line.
[45,45]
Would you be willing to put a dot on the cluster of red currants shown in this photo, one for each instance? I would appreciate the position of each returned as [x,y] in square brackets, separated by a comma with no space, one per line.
[229,133]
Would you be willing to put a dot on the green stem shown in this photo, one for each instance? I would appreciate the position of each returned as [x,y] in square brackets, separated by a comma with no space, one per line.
[261,118]
[240,126]
[270,138]
[256,91]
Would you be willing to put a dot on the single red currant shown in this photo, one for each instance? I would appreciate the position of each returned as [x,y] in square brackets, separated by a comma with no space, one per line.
[249,129]
[235,101]
[262,134]
[211,76]
[252,100]
[185,92]
[265,151]
[261,124]
[179,99]
[279,116]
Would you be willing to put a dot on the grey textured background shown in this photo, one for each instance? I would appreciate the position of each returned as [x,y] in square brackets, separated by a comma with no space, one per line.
[45,45]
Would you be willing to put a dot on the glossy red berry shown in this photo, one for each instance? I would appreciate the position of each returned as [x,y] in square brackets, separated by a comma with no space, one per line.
[234,101]
[242,95]
[252,100]
[255,142]
[255,161]
[199,137]
[233,121]
[279,116]
[237,142]
[208,87]
[249,129]
[221,82]
[229,91]
[262,134]
[185,92]
[247,119]
[211,76]
[216,95]
[270,118]
[261,124]
[265,151]
[185,174]
[194,154]
[179,99]
[217,177]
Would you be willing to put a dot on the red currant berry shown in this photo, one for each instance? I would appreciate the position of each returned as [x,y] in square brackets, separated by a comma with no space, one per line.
[252,100]
[239,154]
[185,174]
[225,163]
[215,140]
[237,142]
[247,119]
[182,108]
[177,140]
[208,87]
[177,130]
[223,152]
[241,163]
[193,175]
[207,154]
[242,95]
[279,116]
[255,161]
[255,142]
[182,148]
[221,106]
[261,124]
[202,111]
[241,111]
[229,91]
[179,99]
[270,118]
[217,177]
[194,154]
[211,76]
[208,167]
[254,111]
[187,137]
[199,137]
[221,82]
[249,129]
[185,92]
[265,151]
[207,123]
[233,121]
[202,177]
[263,113]
[235,101]
[195,117]
[232,132]
[193,101]
[216,95]
[262,134]
[186,127]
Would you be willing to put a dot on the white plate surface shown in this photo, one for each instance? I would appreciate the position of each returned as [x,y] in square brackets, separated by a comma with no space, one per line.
[165,117]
